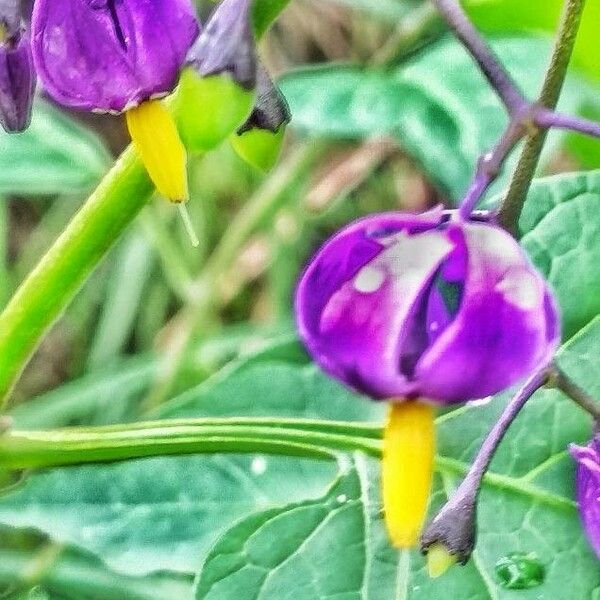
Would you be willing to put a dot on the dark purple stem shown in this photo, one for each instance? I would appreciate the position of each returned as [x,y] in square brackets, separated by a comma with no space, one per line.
[562,382]
[455,525]
[490,165]
[482,53]
[546,118]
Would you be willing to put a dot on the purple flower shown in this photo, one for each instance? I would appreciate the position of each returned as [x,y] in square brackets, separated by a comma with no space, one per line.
[399,305]
[17,75]
[588,489]
[110,55]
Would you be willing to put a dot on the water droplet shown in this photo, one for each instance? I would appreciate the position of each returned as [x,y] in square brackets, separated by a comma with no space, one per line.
[342,498]
[519,571]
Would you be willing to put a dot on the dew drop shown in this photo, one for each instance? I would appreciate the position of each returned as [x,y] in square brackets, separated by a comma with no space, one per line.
[342,498]
[519,571]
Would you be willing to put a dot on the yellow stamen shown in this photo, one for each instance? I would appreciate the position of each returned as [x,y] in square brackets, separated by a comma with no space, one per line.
[407,465]
[439,560]
[157,141]
[3,32]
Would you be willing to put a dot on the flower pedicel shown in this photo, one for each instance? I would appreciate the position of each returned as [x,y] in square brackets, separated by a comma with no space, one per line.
[420,311]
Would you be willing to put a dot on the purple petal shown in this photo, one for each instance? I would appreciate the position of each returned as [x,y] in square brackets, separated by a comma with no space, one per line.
[17,83]
[396,305]
[588,490]
[356,298]
[505,328]
[109,55]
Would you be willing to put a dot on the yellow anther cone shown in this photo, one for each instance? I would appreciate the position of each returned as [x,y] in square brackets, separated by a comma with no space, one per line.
[407,467]
[157,141]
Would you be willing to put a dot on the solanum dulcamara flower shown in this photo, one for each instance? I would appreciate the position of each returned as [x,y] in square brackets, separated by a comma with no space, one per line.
[17,74]
[120,56]
[421,311]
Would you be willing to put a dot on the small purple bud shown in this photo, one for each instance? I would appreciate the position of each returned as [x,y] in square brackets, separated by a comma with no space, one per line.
[271,110]
[227,45]
[588,489]
[399,305]
[17,75]
[10,18]
[110,55]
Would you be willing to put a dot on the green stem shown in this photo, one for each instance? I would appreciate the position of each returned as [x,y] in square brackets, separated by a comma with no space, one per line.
[512,206]
[295,437]
[58,276]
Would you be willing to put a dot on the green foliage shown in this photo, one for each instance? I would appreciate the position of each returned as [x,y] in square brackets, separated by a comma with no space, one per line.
[55,155]
[560,229]
[437,105]
[165,513]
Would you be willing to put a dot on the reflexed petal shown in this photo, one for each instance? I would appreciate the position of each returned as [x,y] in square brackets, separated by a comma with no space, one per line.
[355,298]
[227,45]
[588,490]
[505,328]
[109,55]
[402,305]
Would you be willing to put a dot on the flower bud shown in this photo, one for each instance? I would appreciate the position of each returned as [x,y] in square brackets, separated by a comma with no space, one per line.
[217,88]
[588,489]
[399,305]
[17,75]
[258,141]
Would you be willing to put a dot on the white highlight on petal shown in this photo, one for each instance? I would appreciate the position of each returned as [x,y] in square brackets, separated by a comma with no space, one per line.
[522,288]
[369,280]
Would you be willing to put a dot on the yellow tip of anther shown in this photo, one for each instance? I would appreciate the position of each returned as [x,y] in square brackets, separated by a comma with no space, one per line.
[439,560]
[407,466]
[157,141]
[187,223]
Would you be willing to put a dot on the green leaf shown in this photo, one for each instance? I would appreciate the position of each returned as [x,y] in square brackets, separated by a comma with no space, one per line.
[74,575]
[55,155]
[437,105]
[560,224]
[337,547]
[245,563]
[264,12]
[165,513]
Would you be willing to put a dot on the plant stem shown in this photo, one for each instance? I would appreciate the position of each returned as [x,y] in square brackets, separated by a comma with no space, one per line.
[544,117]
[562,382]
[58,276]
[510,211]
[454,526]
[490,165]
[482,53]
[295,437]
